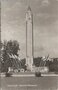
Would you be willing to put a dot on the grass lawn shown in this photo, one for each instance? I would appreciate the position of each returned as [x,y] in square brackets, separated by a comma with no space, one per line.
[29,83]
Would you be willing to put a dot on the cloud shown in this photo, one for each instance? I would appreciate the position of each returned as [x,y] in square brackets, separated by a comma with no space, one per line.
[43,15]
[45,2]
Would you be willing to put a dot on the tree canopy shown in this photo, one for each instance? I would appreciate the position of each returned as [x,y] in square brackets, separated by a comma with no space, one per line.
[10,53]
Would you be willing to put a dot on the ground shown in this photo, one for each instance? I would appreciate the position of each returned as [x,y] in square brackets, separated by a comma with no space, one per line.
[29,82]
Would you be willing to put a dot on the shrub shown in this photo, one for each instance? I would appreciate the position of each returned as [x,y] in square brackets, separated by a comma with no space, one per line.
[38,74]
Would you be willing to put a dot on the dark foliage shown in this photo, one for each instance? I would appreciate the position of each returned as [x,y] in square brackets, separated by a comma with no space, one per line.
[10,48]
[23,64]
[37,74]
[37,61]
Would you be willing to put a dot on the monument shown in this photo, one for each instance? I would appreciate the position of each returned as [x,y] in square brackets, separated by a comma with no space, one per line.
[29,39]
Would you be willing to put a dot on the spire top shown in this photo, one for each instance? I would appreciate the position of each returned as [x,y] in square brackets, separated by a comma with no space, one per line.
[29,8]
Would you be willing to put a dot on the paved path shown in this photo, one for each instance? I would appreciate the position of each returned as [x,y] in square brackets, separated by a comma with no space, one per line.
[29,75]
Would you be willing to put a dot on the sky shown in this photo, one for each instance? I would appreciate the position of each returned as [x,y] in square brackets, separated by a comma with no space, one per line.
[45,25]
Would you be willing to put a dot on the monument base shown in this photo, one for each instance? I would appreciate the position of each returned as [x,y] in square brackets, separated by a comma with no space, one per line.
[29,63]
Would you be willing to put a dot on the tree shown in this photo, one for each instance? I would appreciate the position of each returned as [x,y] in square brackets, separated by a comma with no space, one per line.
[37,61]
[10,53]
[0,54]
[12,47]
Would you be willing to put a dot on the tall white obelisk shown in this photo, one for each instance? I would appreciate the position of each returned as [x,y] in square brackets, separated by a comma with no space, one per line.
[29,39]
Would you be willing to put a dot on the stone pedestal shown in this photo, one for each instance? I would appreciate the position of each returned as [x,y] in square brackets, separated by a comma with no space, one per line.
[29,63]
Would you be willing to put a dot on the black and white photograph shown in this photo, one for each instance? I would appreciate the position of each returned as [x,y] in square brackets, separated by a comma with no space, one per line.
[28,44]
